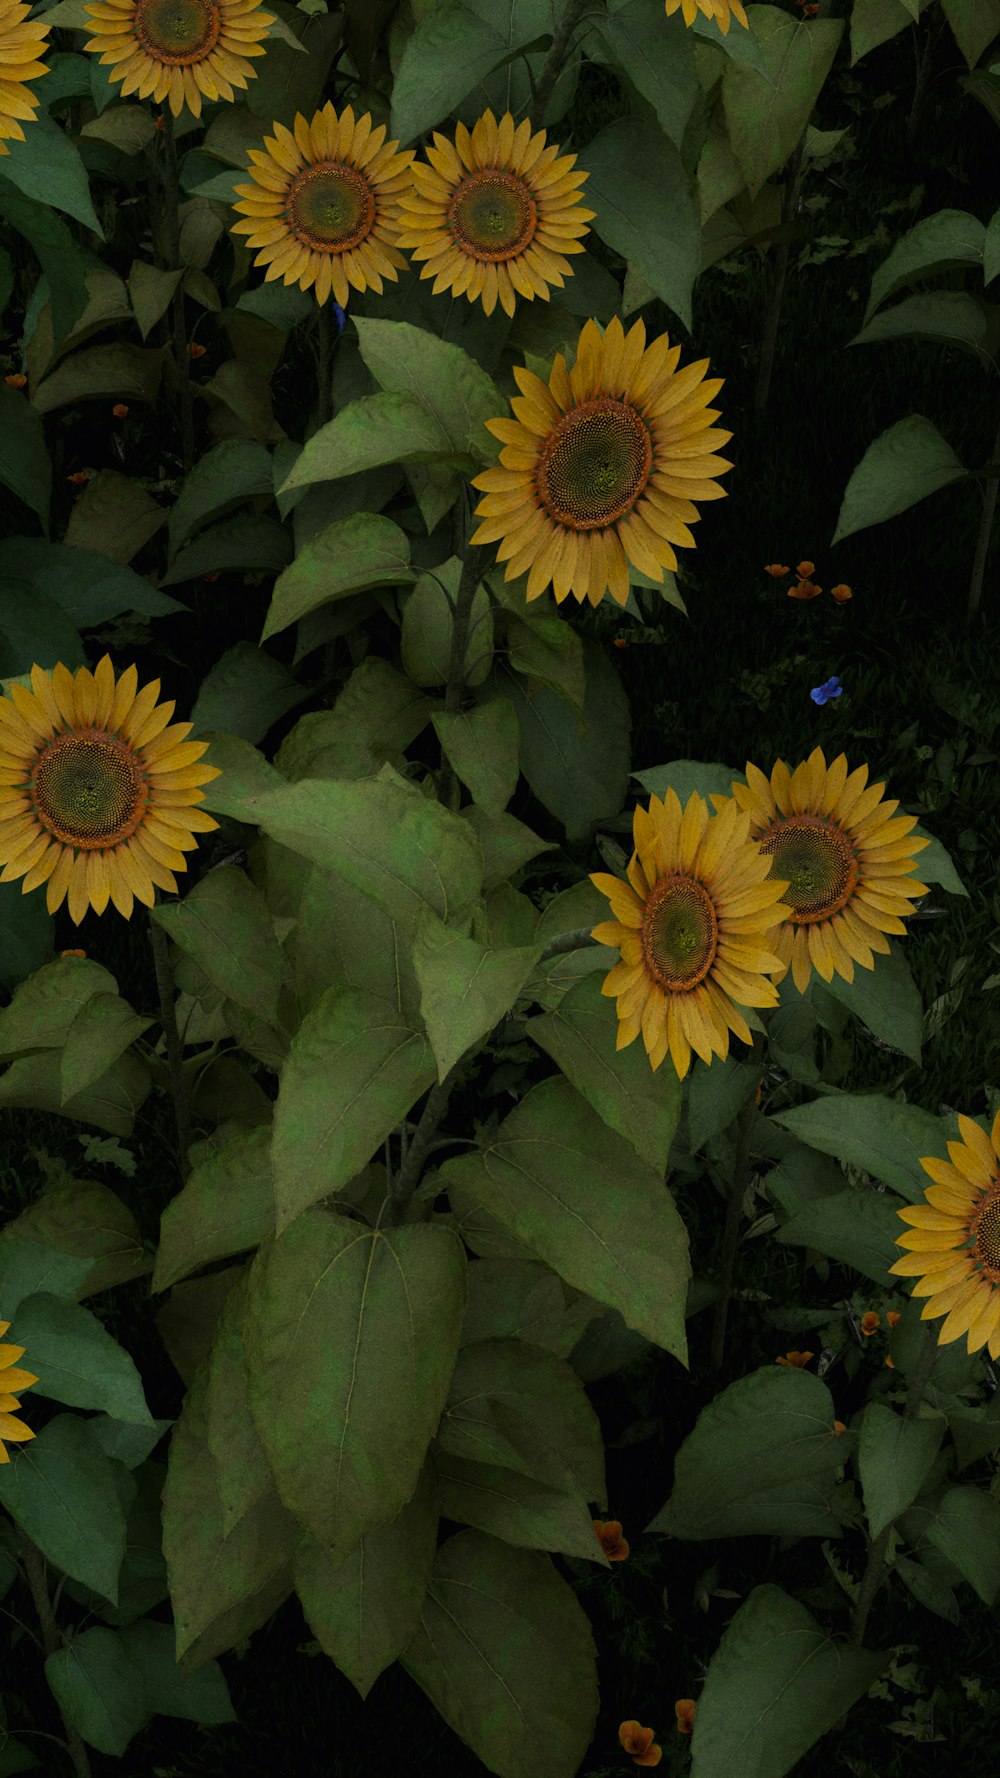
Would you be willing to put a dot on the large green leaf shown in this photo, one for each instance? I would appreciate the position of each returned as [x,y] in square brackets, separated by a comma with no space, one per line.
[241,1469]
[101,1032]
[762,1459]
[974,25]
[516,1407]
[425,641]
[557,1178]
[766,114]
[77,1361]
[233,471]
[952,317]
[44,1007]
[505,1654]
[26,930]
[27,1267]
[450,51]
[894,1456]
[857,1227]
[61,1488]
[965,1527]
[522,1299]
[47,167]
[657,55]
[943,242]
[775,1684]
[116,372]
[355,1068]
[246,693]
[367,1322]
[481,747]
[465,987]
[620,1085]
[56,250]
[886,998]
[88,588]
[365,550]
[906,463]
[34,632]
[223,924]
[652,222]
[98,1687]
[874,22]
[111,1103]
[884,1136]
[516,1508]
[201,1697]
[375,429]
[86,1222]
[226,1206]
[454,391]
[24,460]
[576,765]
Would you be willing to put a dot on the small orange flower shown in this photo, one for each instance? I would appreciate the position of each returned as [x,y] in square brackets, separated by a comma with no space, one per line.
[120,410]
[79,476]
[870,1321]
[639,1743]
[685,1711]
[804,570]
[609,1536]
[811,8]
[775,570]
[839,1427]
[621,642]
[196,351]
[216,574]
[889,1362]
[16,381]
[760,1089]
[72,953]
[892,1316]
[804,590]
[795,1360]
[841,593]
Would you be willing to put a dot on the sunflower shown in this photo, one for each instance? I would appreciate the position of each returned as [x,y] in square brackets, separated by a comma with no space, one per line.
[180,51]
[494,213]
[12,1381]
[22,42]
[693,926]
[96,792]
[955,1240]
[323,207]
[722,11]
[844,859]
[600,464]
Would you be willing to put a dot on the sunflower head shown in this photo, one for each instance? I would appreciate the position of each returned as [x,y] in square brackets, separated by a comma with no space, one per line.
[97,792]
[846,862]
[181,51]
[722,11]
[23,42]
[12,1381]
[693,925]
[952,1247]
[494,213]
[601,466]
[322,208]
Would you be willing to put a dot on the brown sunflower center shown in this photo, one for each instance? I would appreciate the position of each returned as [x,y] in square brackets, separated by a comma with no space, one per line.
[331,208]
[817,861]
[679,933]
[177,32]
[492,215]
[595,463]
[987,1234]
[88,789]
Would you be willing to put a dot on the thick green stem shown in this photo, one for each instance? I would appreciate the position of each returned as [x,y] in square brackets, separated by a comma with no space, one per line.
[985,534]
[460,625]
[34,1568]
[556,57]
[730,1235]
[324,374]
[171,217]
[871,1580]
[172,1039]
[402,1188]
[772,316]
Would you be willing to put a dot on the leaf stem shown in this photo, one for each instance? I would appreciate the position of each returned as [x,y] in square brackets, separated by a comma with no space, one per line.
[324,374]
[172,1040]
[731,1232]
[985,534]
[171,217]
[34,1568]
[772,314]
[472,574]
[555,59]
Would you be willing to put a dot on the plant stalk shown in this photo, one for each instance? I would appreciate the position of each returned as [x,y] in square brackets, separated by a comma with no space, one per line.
[402,1188]
[34,1568]
[448,792]
[871,1580]
[731,1232]
[772,316]
[556,57]
[172,1039]
[985,534]
[325,371]
[171,217]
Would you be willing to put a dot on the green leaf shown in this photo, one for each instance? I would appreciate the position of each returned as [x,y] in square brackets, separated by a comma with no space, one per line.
[715,1097]
[47,167]
[355,1068]
[991,249]
[150,289]
[965,1527]
[27,1267]
[386,838]
[25,934]
[766,113]
[24,458]
[34,631]
[289,81]
[88,588]
[506,844]
[465,987]
[249,542]
[906,463]
[114,517]
[658,57]
[233,471]
[516,1407]
[652,222]
[943,242]
[641,1106]
[118,372]
[425,641]
[88,1222]
[577,766]
[884,1136]
[540,645]
[246,777]
[874,22]
[522,1299]
[894,1456]
[245,693]
[365,1609]
[224,925]
[99,1689]
[624,1243]
[857,1227]
[955,317]
[201,1697]
[375,429]
[448,54]
[974,24]
[129,128]
[43,1008]
[455,393]
[102,1030]
[376,716]
[61,1488]
[886,998]
[762,1459]
[55,249]
[110,1103]
[514,1507]
[226,1207]
[365,550]
[77,1361]
[128,1443]
[241,1469]
[774,1685]
[481,747]
[221,1588]
[505,1654]
[332,1299]
[927,1590]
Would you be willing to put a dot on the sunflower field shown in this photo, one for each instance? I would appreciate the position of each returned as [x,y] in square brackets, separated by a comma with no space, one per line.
[499,914]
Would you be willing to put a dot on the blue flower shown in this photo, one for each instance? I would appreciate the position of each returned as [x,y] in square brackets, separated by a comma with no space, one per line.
[832,689]
[338,315]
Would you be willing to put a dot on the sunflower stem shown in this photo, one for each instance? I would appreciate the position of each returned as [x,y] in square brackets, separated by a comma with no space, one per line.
[871,1580]
[34,1568]
[772,315]
[324,374]
[171,217]
[985,534]
[402,1188]
[555,59]
[171,1037]
[730,1236]
[468,586]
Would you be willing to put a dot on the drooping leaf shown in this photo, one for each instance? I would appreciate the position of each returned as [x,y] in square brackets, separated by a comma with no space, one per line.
[24,460]
[454,391]
[365,550]
[884,1136]
[652,222]
[226,1206]
[118,372]
[114,517]
[56,250]
[576,765]
[481,746]
[943,242]
[89,588]
[201,1697]
[245,693]
[466,988]
[658,57]
[233,471]
[99,1689]
[77,1361]
[766,113]
[894,1456]
[61,1488]
[224,925]
[449,52]
[906,463]
[102,1030]
[46,167]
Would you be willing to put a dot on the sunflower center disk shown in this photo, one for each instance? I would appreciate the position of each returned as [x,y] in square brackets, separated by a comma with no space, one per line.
[493,216]
[88,790]
[988,1236]
[595,464]
[331,208]
[177,32]
[679,933]
[817,861]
